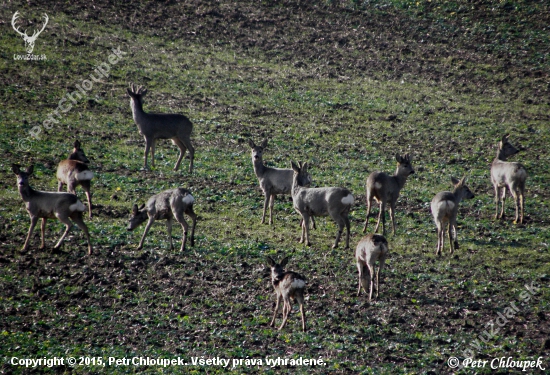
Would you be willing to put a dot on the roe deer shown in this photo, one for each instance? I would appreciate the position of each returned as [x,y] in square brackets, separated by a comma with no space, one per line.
[335,202]
[49,205]
[73,172]
[167,205]
[384,188]
[508,174]
[287,285]
[370,249]
[273,181]
[445,209]
[155,126]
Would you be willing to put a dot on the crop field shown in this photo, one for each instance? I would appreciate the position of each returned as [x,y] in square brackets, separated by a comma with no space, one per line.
[344,85]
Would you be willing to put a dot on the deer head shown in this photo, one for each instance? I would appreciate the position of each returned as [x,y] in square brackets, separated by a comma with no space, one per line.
[29,40]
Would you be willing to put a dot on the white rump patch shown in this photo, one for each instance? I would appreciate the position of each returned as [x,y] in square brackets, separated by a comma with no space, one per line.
[445,204]
[78,206]
[298,284]
[348,200]
[188,199]
[85,175]
[377,185]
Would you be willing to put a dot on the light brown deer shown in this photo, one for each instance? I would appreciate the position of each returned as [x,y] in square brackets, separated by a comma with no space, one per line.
[445,209]
[74,171]
[370,249]
[384,188]
[508,174]
[273,181]
[335,202]
[287,285]
[49,205]
[155,126]
[167,205]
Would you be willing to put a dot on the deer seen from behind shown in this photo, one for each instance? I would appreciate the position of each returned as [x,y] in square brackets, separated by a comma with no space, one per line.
[153,126]
[288,285]
[74,171]
[445,210]
[335,202]
[167,205]
[370,249]
[511,175]
[385,189]
[49,205]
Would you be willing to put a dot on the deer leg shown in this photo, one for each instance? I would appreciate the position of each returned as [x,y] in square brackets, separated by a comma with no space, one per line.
[86,187]
[313,223]
[189,146]
[59,186]
[147,227]
[276,310]
[286,310]
[392,215]
[503,202]
[193,217]
[77,218]
[43,233]
[65,220]
[341,223]
[34,220]
[497,200]
[381,217]
[521,202]
[147,148]
[368,213]
[271,204]
[300,299]
[169,228]
[346,221]
[267,196]
[71,187]
[371,277]
[153,144]
[516,197]
[185,227]
[382,260]
[182,148]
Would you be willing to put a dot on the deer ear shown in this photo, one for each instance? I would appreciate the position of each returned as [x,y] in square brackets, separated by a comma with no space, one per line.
[144,92]
[77,144]
[15,168]
[284,261]
[294,167]
[142,207]
[251,143]
[134,209]
[463,180]
[304,166]
[129,92]
[505,138]
[398,158]
[264,143]
[270,261]
[454,180]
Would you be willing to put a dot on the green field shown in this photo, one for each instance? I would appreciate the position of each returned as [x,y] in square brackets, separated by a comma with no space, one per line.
[343,85]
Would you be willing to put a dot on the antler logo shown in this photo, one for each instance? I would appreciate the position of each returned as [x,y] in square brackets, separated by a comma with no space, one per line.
[29,40]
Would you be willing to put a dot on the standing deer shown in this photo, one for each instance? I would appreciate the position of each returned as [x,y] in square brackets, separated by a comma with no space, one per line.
[73,172]
[384,188]
[155,126]
[273,181]
[287,285]
[370,249]
[29,40]
[445,209]
[335,202]
[49,205]
[508,174]
[167,205]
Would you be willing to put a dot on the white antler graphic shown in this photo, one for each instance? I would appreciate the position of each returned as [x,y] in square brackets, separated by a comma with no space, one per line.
[29,40]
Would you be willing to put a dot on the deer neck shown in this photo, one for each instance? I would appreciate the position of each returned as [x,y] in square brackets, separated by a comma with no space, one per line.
[259,167]
[401,179]
[295,187]
[26,192]
[137,111]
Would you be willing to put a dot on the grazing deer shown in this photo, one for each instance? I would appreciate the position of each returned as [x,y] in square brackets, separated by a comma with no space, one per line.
[384,188]
[73,172]
[273,181]
[445,209]
[335,202]
[49,205]
[287,285]
[508,174]
[167,205]
[370,249]
[155,126]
